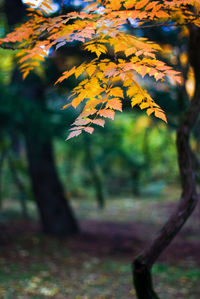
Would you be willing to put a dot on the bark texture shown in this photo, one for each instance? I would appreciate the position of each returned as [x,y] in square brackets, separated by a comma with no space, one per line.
[142,264]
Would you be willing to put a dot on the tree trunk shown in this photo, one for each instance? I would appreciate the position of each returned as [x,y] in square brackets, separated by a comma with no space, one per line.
[135,178]
[15,11]
[56,215]
[143,263]
[55,212]
[2,158]
[20,186]
[95,176]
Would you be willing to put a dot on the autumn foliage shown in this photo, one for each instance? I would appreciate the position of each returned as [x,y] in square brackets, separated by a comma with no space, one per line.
[120,59]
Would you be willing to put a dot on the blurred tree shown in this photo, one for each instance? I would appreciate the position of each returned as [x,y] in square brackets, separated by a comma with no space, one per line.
[2,159]
[189,199]
[56,215]
[95,175]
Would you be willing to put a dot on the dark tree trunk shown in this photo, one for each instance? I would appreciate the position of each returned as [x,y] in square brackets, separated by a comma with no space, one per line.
[143,263]
[2,159]
[135,178]
[55,212]
[56,215]
[13,156]
[15,11]
[20,186]
[95,176]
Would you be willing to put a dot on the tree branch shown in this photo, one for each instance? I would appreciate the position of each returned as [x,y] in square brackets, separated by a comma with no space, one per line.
[161,24]
[62,2]
[143,263]
[12,47]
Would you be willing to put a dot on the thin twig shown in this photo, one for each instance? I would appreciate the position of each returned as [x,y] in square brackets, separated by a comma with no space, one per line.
[61,6]
[157,25]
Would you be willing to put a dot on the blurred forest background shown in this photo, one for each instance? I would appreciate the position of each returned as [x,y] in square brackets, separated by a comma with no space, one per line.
[112,191]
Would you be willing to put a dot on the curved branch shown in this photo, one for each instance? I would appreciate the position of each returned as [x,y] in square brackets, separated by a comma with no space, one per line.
[143,263]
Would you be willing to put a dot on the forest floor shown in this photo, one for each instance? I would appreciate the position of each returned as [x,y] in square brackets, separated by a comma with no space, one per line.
[96,263]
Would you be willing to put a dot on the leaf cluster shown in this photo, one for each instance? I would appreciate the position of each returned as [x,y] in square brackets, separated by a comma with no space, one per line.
[121,59]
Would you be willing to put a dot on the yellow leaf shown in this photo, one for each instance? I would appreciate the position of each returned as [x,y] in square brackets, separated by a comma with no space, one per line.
[130,51]
[150,111]
[79,70]
[92,103]
[66,106]
[117,92]
[132,91]
[79,99]
[160,114]
[65,75]
[91,69]
[96,48]
[144,105]
[128,82]
[136,100]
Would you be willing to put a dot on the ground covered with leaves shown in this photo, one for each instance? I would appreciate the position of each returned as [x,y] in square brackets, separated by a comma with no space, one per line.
[96,264]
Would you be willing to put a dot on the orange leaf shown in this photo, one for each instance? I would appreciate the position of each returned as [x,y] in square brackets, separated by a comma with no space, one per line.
[150,111]
[74,134]
[161,115]
[82,122]
[141,4]
[114,103]
[66,106]
[108,113]
[128,4]
[99,122]
[65,75]
[162,14]
[89,130]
